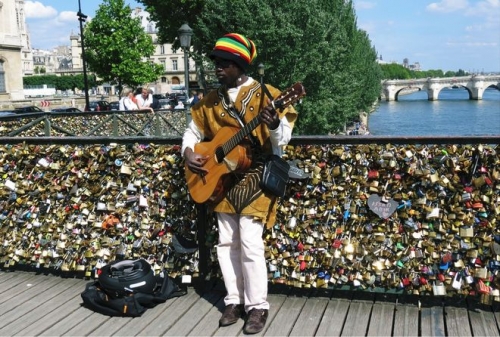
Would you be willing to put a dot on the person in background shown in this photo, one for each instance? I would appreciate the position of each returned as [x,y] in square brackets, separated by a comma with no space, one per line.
[193,99]
[245,209]
[144,99]
[127,101]
[200,95]
[179,105]
[197,98]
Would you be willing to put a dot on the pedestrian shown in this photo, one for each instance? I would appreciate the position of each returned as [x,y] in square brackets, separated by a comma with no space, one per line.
[144,100]
[193,99]
[244,209]
[127,101]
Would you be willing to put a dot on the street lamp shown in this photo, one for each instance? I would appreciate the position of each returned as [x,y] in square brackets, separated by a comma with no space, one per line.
[260,70]
[185,33]
[82,17]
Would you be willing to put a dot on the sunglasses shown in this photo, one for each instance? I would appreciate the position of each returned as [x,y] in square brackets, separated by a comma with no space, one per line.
[223,63]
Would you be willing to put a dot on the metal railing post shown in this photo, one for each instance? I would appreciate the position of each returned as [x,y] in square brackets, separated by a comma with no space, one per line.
[188,114]
[156,125]
[204,251]
[115,124]
[47,125]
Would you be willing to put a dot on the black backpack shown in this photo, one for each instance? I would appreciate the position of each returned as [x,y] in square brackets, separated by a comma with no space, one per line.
[128,288]
[122,278]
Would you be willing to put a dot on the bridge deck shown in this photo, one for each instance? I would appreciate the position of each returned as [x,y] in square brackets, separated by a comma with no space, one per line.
[51,306]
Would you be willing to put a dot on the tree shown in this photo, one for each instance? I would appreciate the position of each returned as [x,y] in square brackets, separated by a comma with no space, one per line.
[117,48]
[365,62]
[59,82]
[394,71]
[309,41]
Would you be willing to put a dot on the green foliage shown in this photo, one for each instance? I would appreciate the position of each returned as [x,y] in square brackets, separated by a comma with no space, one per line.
[117,48]
[316,42]
[40,70]
[396,71]
[40,80]
[59,82]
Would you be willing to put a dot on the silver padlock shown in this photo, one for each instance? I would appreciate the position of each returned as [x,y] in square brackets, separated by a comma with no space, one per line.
[439,289]
[457,281]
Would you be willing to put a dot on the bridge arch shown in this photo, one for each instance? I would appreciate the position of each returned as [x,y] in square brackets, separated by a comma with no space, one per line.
[409,89]
[475,85]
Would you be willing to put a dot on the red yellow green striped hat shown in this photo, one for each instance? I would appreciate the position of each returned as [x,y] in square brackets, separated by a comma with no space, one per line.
[235,47]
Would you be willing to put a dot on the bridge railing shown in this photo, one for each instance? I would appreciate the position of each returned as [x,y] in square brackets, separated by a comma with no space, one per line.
[375,213]
[162,123]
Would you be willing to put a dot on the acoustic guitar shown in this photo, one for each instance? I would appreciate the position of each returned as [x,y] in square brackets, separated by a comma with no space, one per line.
[226,154]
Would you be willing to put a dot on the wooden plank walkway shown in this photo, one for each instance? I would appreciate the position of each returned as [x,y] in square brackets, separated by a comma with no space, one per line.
[45,305]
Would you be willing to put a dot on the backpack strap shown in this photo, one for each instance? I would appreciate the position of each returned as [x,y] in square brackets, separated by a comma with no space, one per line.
[97,300]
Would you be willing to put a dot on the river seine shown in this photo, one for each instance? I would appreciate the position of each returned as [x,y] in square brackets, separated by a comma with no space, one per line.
[453,114]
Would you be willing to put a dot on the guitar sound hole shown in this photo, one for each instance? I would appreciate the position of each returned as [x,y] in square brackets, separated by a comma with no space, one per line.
[219,155]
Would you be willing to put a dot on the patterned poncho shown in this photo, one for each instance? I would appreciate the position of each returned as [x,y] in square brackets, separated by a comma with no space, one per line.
[244,195]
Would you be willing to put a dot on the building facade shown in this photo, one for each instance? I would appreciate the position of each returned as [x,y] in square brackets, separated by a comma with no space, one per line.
[172,60]
[18,59]
[14,49]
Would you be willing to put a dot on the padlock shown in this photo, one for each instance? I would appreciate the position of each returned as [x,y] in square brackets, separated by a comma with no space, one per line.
[438,289]
[457,281]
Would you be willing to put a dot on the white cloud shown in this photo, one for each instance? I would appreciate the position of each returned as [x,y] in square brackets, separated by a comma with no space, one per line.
[447,6]
[485,8]
[472,44]
[67,16]
[35,9]
[364,4]
[367,26]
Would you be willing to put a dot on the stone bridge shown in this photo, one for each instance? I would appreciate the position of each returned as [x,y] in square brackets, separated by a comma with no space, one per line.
[475,85]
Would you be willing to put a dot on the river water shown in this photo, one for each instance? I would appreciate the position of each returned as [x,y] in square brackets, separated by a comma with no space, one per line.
[453,114]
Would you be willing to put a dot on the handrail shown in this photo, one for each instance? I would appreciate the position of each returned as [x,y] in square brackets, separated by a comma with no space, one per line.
[296,140]
[163,122]
[330,193]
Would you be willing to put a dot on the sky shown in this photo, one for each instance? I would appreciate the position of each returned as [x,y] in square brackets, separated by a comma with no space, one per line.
[438,34]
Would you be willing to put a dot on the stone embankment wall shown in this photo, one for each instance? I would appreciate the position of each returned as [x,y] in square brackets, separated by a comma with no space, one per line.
[54,102]
[423,219]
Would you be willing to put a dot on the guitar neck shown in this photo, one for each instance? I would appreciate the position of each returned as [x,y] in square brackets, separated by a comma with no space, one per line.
[240,135]
[286,98]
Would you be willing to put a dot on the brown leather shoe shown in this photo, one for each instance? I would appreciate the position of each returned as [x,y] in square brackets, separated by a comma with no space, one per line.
[256,320]
[231,314]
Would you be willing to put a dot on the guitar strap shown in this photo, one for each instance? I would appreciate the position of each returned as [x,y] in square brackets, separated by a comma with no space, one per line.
[264,87]
[253,139]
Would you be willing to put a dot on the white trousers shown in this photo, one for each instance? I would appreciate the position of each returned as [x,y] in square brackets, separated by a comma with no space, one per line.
[241,257]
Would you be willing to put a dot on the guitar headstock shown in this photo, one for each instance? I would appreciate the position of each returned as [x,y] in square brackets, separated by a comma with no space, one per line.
[289,96]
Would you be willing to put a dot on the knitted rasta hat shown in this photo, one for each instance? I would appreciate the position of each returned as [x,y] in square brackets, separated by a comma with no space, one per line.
[235,47]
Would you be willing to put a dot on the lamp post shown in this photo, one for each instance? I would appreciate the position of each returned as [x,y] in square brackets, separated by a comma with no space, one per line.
[260,70]
[185,33]
[82,17]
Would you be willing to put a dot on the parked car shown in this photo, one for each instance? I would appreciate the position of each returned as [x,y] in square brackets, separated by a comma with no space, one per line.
[159,96]
[182,98]
[167,103]
[70,109]
[115,105]
[26,109]
[100,105]
[7,113]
